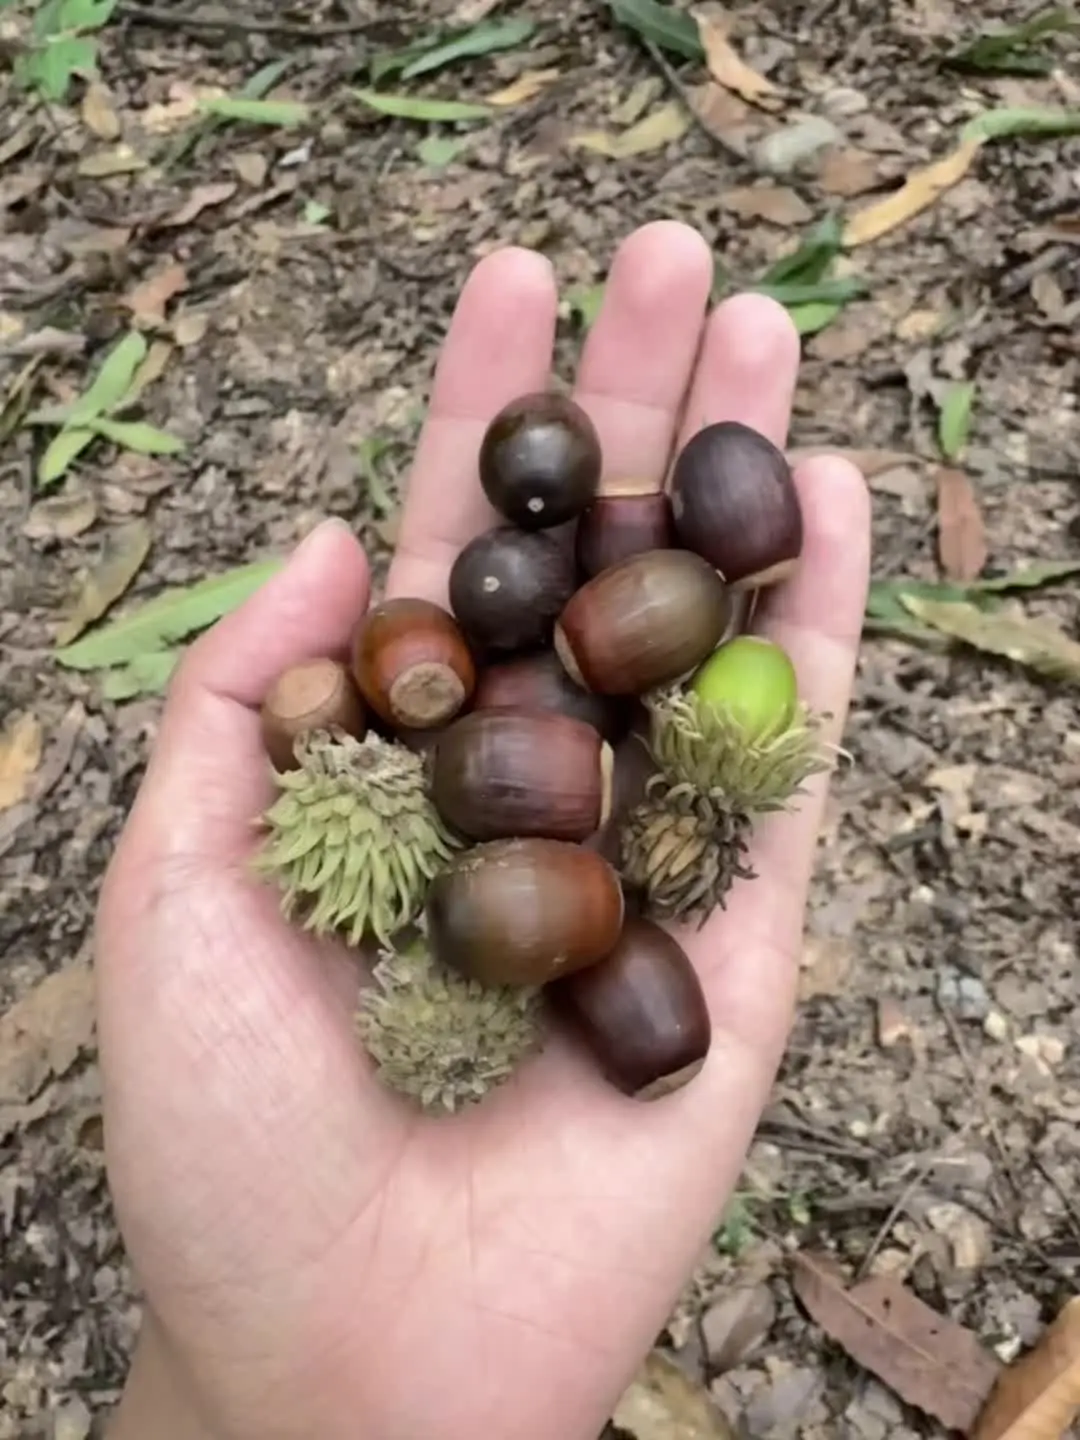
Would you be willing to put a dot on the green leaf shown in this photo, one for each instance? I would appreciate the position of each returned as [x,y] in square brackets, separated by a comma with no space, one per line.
[370,454]
[49,415]
[53,68]
[61,453]
[171,616]
[1029,577]
[86,14]
[814,315]
[1032,120]
[112,382]
[281,113]
[1033,643]
[419,107]
[259,85]
[809,263]
[47,20]
[142,438]
[438,151]
[584,302]
[1011,51]
[439,50]
[954,420]
[821,292]
[146,675]
[665,27]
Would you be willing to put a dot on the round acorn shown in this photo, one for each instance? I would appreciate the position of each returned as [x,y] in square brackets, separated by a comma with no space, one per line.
[313,695]
[503,773]
[625,519]
[641,1011]
[734,500]
[508,586]
[642,623]
[540,460]
[524,911]
[754,681]
[539,682]
[412,663]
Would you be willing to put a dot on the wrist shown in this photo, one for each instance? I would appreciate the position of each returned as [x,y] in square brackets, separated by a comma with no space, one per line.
[154,1402]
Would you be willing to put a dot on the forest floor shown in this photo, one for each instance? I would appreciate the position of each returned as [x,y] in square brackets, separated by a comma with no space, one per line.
[291,284]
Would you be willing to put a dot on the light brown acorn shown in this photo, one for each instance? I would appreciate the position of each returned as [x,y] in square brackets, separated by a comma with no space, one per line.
[412,663]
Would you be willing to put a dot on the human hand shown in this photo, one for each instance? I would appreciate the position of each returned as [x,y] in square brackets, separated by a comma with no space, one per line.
[318,1259]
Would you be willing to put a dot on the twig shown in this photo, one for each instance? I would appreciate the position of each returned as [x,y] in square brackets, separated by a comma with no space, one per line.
[204,20]
[674,80]
[991,1123]
[898,1207]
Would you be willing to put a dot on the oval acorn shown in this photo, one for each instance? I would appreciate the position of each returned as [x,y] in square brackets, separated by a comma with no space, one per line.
[735,503]
[753,681]
[508,586]
[540,460]
[540,682]
[314,695]
[412,663]
[503,773]
[625,519]
[524,911]
[642,623]
[641,1012]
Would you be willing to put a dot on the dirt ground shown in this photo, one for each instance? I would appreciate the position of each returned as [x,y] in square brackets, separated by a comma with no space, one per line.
[927,1119]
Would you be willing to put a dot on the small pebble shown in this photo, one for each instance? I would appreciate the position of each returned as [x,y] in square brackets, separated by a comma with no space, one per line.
[995,1026]
[964,995]
[786,149]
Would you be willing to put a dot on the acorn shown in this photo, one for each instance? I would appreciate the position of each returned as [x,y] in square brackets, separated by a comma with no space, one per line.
[540,460]
[644,622]
[508,586]
[412,663]
[539,682]
[313,695]
[734,501]
[641,1011]
[497,774]
[627,518]
[524,911]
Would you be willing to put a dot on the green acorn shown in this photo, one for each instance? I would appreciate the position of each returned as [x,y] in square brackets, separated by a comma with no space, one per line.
[353,840]
[440,1039]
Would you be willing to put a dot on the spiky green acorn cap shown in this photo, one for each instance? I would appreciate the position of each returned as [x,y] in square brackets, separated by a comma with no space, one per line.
[682,853]
[353,840]
[737,733]
[440,1039]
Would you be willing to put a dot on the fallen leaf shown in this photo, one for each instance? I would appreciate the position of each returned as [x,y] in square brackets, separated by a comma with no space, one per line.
[930,1361]
[918,192]
[1033,120]
[527,86]
[848,172]
[20,755]
[42,1034]
[189,327]
[1038,1397]
[735,1325]
[728,69]
[280,113]
[125,550]
[121,160]
[961,533]
[423,107]
[775,203]
[148,300]
[61,453]
[659,128]
[200,199]
[663,1403]
[921,324]
[661,24]
[252,167]
[147,675]
[152,367]
[98,113]
[1036,644]
[61,517]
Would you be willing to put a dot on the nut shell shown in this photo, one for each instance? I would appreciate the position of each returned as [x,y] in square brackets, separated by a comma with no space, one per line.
[524,912]
[641,1011]
[314,695]
[642,623]
[540,682]
[735,503]
[616,526]
[507,587]
[503,773]
[412,663]
[540,460]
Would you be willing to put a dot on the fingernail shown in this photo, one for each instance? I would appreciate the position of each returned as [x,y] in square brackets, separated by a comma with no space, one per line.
[322,533]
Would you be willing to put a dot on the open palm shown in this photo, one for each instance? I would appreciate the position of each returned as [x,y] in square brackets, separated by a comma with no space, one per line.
[318,1259]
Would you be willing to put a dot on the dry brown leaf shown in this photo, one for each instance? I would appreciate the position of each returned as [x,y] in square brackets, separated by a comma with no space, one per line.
[930,1361]
[728,69]
[663,1403]
[98,113]
[154,365]
[918,193]
[42,1034]
[121,160]
[200,199]
[251,166]
[849,172]
[526,87]
[961,533]
[20,756]
[189,327]
[920,324]
[1038,1398]
[125,550]
[775,203]
[61,517]
[148,300]
[1036,644]
[659,128]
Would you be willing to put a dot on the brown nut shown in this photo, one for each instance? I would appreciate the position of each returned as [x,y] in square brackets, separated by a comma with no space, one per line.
[615,526]
[498,774]
[412,663]
[523,912]
[508,586]
[540,460]
[314,695]
[540,682]
[644,622]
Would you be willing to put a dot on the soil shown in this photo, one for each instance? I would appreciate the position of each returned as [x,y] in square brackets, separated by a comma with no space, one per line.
[926,1122]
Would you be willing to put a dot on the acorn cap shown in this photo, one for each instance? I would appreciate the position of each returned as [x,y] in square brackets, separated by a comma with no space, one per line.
[682,857]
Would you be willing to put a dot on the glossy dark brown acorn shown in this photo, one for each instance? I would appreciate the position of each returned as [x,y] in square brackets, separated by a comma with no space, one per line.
[539,682]
[624,520]
[508,586]
[540,460]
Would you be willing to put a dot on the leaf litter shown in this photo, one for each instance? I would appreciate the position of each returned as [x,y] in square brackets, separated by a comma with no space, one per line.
[1038,1397]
